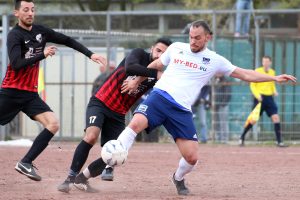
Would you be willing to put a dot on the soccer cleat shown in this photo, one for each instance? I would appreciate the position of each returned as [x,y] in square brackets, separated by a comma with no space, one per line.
[241,143]
[108,174]
[180,186]
[82,184]
[65,186]
[28,170]
[281,144]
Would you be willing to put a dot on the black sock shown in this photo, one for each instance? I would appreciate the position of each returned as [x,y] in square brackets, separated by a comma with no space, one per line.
[277,132]
[39,144]
[80,156]
[96,167]
[80,178]
[246,129]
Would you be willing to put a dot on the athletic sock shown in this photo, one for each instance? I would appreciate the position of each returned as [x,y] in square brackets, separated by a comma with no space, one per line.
[80,156]
[80,178]
[277,132]
[95,168]
[39,144]
[246,129]
[127,137]
[183,168]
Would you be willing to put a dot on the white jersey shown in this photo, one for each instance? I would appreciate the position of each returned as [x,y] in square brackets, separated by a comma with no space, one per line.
[188,72]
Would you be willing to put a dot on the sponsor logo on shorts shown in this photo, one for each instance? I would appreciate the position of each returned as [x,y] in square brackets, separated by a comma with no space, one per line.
[195,136]
[142,108]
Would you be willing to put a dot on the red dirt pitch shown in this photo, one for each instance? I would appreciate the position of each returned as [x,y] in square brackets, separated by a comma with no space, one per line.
[224,172]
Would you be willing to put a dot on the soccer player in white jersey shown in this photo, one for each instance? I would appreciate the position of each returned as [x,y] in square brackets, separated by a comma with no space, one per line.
[189,68]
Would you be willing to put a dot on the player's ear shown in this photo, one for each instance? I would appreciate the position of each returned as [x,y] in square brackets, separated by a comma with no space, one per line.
[208,36]
[16,13]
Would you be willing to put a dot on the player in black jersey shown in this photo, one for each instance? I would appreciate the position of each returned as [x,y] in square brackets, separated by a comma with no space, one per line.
[26,47]
[107,108]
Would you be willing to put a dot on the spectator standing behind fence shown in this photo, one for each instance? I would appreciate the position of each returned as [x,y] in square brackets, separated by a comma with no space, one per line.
[200,107]
[222,98]
[102,77]
[264,92]
[242,21]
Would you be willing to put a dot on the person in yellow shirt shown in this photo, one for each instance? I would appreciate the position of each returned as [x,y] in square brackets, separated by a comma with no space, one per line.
[264,93]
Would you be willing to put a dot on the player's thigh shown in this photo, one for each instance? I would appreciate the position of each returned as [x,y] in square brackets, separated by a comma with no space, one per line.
[271,107]
[36,106]
[188,150]
[47,119]
[95,114]
[112,127]
[149,114]
[8,109]
[179,124]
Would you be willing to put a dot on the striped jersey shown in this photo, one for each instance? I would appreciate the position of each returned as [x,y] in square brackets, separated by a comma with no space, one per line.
[25,50]
[110,91]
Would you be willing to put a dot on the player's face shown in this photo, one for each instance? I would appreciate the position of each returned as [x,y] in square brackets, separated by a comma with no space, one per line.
[25,14]
[266,62]
[198,39]
[157,50]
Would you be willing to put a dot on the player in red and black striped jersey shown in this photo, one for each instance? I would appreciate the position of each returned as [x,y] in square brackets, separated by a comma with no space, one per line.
[107,108]
[26,46]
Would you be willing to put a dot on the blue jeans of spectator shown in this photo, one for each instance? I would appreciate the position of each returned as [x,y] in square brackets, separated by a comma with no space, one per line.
[202,122]
[242,22]
[222,124]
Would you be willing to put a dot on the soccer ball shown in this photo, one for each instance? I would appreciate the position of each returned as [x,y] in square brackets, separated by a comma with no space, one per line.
[114,153]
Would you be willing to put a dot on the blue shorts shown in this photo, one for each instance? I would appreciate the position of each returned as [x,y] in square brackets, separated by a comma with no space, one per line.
[268,104]
[160,111]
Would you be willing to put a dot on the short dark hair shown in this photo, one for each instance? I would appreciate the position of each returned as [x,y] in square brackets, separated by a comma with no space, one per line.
[267,57]
[203,24]
[18,3]
[164,40]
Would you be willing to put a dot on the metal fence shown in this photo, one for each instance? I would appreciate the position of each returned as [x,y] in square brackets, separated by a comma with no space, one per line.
[69,92]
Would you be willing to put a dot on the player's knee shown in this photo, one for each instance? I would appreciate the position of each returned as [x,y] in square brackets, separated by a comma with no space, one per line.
[191,158]
[275,118]
[91,137]
[138,123]
[53,126]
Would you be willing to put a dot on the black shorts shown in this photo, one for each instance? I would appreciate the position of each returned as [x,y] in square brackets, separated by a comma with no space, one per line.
[12,101]
[268,104]
[110,122]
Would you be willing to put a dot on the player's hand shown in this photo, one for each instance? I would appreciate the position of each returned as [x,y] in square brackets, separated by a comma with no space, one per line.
[285,78]
[50,51]
[129,85]
[259,99]
[275,93]
[99,59]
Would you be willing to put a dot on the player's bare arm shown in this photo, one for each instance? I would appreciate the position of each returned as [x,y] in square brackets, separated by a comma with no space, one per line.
[253,76]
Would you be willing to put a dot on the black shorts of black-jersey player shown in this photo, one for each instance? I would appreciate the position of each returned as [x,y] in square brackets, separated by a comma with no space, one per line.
[106,110]
[26,46]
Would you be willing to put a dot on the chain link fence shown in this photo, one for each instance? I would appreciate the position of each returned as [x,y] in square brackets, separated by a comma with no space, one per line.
[69,75]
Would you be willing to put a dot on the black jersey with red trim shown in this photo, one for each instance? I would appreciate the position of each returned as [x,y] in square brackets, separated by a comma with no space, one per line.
[110,91]
[25,50]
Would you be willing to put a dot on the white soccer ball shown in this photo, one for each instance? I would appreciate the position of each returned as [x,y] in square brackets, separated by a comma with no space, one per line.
[114,153]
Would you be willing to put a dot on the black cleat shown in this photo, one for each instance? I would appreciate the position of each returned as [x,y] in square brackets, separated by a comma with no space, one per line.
[65,186]
[81,183]
[28,170]
[180,186]
[108,174]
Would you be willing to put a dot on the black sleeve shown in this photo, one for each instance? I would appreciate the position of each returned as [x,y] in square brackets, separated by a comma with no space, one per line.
[59,38]
[136,64]
[14,51]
